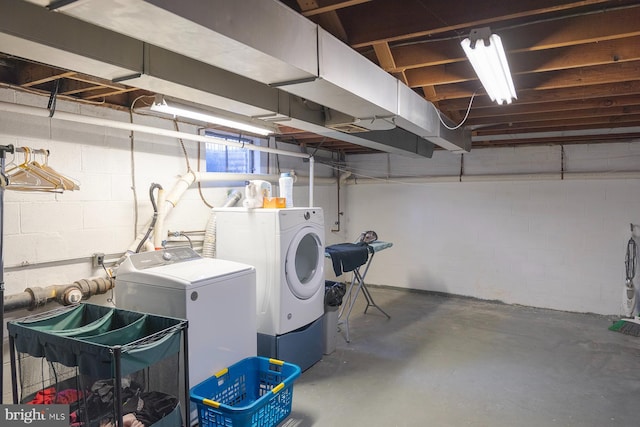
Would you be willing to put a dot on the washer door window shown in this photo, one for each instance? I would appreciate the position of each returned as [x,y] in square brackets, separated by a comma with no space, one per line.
[305,262]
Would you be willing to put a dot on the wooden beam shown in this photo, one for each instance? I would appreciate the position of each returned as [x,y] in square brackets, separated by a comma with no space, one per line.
[599,27]
[401,76]
[109,93]
[444,17]
[329,20]
[331,8]
[584,55]
[30,74]
[555,115]
[74,87]
[601,104]
[602,121]
[576,78]
[558,140]
[609,90]
[385,58]
[586,125]
[96,81]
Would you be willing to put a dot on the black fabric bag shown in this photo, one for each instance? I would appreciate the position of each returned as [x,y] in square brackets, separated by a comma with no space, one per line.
[333,293]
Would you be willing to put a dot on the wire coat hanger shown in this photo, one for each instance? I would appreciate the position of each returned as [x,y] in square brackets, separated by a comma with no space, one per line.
[31,175]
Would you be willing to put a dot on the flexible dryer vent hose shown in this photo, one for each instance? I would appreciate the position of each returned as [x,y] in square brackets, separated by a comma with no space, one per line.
[209,243]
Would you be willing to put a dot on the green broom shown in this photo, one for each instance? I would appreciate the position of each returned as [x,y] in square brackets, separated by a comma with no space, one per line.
[631,325]
[627,326]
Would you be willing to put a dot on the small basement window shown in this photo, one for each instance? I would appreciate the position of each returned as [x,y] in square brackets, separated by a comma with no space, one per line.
[224,158]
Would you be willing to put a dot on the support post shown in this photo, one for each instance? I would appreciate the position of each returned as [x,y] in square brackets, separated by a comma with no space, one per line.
[4,149]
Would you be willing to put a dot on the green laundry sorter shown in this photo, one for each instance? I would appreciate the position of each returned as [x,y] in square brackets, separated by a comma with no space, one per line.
[107,364]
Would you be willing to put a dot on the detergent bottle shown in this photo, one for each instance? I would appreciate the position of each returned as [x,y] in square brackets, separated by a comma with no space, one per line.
[286,188]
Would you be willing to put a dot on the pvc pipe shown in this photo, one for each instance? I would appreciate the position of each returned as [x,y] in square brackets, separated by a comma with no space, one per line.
[497,178]
[232,177]
[235,177]
[78,118]
[344,176]
[179,188]
[171,200]
[311,173]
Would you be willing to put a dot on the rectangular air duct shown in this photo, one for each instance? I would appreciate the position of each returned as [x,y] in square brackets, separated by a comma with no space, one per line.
[348,82]
[265,41]
[193,37]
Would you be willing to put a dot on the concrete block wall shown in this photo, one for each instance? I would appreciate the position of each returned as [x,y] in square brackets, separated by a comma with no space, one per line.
[556,244]
[45,227]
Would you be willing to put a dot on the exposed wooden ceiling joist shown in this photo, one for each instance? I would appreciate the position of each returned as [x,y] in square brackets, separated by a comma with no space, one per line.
[576,64]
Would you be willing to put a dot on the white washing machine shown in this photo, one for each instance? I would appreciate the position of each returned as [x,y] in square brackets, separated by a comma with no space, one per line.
[286,246]
[217,297]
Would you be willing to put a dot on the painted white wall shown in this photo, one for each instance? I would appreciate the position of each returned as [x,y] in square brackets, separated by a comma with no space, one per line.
[44,227]
[556,244]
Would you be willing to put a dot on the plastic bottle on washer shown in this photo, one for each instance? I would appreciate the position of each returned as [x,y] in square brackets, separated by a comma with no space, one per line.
[286,188]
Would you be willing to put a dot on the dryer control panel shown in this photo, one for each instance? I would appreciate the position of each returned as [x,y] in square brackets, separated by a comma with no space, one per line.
[168,256]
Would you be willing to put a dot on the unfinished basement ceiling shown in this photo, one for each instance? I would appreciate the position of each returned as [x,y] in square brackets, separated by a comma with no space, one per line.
[576,66]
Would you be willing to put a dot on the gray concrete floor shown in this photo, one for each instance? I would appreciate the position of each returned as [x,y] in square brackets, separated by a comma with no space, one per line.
[446,361]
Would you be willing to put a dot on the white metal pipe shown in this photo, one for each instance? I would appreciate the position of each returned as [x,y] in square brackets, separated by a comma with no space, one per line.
[78,118]
[311,172]
[498,177]
[235,177]
[232,177]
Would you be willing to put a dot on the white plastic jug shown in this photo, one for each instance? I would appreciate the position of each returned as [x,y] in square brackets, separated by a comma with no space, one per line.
[255,191]
[286,188]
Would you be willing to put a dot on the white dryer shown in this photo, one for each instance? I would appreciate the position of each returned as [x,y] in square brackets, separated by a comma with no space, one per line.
[286,246]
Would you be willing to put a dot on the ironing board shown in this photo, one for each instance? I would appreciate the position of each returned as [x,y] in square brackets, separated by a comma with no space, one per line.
[357,284]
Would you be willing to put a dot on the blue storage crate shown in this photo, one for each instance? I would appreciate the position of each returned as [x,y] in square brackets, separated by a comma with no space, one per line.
[255,392]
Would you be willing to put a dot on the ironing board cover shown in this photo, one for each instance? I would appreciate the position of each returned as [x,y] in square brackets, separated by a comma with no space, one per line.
[349,256]
[378,246]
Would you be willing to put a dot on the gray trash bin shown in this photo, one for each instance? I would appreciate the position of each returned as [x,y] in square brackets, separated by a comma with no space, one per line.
[333,293]
[330,328]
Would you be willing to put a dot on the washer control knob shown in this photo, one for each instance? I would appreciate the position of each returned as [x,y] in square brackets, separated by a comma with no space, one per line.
[307,215]
[167,256]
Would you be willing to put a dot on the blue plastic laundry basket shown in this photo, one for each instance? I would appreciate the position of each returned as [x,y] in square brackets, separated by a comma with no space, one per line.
[255,392]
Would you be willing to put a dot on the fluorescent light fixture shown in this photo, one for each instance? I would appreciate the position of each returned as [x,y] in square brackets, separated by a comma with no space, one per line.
[486,54]
[161,105]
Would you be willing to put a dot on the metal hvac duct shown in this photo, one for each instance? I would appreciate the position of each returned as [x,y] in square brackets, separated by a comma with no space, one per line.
[266,41]
[223,65]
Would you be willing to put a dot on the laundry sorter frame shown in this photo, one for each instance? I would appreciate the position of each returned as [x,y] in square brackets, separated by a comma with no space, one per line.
[89,338]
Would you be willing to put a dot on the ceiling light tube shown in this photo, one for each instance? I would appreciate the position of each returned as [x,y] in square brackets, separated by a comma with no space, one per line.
[487,56]
[160,105]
